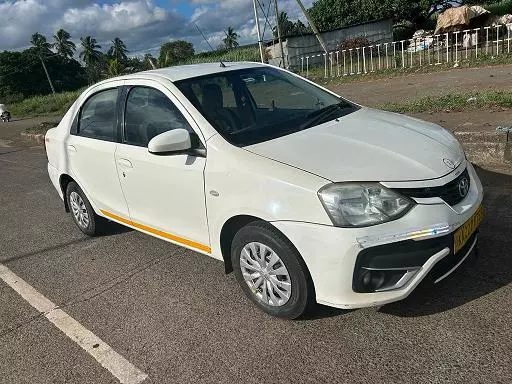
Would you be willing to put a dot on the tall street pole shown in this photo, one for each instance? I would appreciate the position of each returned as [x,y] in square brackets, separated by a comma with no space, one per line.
[313,26]
[257,19]
[279,34]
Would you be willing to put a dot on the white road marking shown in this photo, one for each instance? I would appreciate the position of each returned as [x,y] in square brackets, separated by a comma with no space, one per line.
[109,359]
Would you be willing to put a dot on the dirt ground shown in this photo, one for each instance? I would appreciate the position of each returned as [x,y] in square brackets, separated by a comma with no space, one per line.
[404,88]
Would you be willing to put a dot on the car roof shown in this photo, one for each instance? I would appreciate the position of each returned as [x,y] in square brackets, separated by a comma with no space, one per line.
[182,72]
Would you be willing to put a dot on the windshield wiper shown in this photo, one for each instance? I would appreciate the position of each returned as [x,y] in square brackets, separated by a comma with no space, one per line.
[320,115]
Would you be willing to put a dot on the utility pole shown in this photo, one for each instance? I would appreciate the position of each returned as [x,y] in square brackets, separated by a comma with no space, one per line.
[257,20]
[279,34]
[47,75]
[313,26]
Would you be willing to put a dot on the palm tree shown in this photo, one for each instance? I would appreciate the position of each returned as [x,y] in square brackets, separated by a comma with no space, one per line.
[90,53]
[118,50]
[41,45]
[230,41]
[114,67]
[42,48]
[64,47]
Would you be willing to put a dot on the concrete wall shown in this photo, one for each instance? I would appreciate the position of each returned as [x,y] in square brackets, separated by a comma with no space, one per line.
[308,45]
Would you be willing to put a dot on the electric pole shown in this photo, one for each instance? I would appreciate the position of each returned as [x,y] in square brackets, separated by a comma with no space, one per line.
[313,26]
[257,20]
[279,34]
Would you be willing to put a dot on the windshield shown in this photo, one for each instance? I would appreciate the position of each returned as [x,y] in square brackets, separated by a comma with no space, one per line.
[253,105]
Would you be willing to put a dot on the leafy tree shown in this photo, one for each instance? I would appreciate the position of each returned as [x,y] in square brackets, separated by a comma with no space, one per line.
[332,14]
[41,45]
[288,27]
[230,41]
[118,50]
[21,74]
[63,45]
[175,51]
[136,64]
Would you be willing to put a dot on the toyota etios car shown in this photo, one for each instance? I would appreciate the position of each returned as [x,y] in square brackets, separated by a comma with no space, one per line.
[306,196]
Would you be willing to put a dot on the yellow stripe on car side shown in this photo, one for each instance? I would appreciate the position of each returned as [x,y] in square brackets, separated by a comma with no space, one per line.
[157,232]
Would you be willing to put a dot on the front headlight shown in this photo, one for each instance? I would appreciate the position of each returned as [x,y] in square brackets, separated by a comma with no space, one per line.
[362,204]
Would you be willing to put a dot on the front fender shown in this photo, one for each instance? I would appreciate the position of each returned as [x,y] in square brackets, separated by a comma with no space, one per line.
[238,182]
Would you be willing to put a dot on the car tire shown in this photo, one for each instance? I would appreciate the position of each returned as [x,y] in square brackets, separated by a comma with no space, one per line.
[282,292]
[82,212]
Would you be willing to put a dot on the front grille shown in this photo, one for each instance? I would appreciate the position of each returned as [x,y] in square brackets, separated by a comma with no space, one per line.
[448,192]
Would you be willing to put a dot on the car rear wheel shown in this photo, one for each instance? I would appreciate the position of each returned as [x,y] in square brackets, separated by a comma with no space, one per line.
[270,271]
[81,210]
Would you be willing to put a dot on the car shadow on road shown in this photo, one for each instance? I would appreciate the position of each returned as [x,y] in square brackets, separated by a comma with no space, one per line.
[112,228]
[482,273]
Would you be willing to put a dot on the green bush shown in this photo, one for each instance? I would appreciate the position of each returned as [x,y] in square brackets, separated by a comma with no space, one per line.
[247,53]
[46,105]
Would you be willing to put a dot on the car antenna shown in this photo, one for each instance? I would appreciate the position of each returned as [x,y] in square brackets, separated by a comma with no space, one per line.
[222,65]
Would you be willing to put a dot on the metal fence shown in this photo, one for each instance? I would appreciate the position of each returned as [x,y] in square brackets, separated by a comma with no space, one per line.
[452,47]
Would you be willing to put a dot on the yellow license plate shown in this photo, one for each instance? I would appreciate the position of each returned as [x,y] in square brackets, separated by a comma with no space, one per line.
[467,229]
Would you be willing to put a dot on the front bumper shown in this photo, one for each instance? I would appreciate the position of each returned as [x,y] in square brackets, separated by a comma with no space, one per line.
[334,255]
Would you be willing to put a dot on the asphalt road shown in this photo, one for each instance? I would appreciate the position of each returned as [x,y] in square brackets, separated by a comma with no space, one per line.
[176,316]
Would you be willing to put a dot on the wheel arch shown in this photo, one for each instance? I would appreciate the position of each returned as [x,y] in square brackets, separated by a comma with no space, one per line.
[233,225]
[64,180]
[228,231]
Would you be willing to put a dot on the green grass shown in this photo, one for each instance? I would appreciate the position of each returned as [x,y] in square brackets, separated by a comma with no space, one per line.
[453,102]
[246,53]
[48,105]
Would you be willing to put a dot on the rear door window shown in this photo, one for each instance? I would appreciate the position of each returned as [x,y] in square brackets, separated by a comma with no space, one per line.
[98,116]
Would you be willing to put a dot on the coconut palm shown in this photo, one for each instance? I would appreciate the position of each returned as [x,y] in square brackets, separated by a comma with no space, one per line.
[41,45]
[230,41]
[114,67]
[118,50]
[42,48]
[90,53]
[63,45]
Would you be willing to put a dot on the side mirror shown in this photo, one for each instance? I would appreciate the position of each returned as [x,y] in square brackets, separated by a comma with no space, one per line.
[176,140]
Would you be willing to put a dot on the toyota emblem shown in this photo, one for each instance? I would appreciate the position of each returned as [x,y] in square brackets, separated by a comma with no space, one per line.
[463,187]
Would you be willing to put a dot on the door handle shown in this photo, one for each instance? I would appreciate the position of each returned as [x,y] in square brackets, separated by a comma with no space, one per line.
[71,148]
[125,163]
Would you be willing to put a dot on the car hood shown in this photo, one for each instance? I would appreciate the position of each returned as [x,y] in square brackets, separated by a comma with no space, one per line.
[368,145]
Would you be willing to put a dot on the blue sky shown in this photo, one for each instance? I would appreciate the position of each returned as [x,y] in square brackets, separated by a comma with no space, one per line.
[144,25]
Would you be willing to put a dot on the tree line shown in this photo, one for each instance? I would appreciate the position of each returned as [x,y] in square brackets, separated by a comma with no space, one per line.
[26,73]
[23,73]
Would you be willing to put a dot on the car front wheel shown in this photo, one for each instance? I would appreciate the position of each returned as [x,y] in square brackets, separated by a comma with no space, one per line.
[270,271]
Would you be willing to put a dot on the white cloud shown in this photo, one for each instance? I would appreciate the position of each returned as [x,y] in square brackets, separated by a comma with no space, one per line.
[142,24]
[112,18]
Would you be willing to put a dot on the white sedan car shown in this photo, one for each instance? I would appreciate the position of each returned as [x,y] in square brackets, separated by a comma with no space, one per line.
[306,196]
